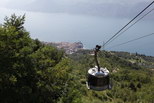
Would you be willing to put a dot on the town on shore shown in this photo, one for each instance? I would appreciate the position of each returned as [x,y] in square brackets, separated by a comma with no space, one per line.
[68,47]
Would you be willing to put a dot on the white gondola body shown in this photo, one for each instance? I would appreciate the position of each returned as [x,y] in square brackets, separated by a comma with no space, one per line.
[98,80]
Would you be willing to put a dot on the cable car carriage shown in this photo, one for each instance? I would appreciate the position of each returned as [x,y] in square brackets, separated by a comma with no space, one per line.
[98,78]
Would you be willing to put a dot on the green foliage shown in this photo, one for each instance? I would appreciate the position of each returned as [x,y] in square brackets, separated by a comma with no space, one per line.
[135,58]
[31,72]
[14,21]
[131,82]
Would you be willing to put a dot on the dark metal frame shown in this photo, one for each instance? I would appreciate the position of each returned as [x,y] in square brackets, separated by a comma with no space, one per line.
[97,49]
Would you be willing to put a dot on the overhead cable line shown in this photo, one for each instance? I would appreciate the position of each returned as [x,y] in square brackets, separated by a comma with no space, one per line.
[131,25]
[128,23]
[132,40]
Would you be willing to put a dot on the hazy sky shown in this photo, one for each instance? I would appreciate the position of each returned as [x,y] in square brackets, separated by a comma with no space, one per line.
[88,21]
[91,7]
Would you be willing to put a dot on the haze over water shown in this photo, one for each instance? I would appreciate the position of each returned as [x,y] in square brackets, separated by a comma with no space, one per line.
[92,30]
[89,29]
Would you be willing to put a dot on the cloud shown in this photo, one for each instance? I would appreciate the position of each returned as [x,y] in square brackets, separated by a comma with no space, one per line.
[3,3]
[109,8]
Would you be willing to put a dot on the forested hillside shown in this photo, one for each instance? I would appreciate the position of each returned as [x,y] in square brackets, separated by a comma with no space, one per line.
[31,72]
[131,83]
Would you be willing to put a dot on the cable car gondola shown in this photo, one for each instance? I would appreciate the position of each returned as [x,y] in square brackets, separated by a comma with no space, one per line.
[98,78]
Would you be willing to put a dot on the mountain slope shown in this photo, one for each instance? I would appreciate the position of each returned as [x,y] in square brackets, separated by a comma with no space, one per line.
[132,83]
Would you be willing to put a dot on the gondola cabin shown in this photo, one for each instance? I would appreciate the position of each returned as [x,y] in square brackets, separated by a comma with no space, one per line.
[98,79]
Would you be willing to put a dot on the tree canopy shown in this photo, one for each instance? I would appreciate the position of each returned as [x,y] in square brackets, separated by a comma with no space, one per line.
[30,71]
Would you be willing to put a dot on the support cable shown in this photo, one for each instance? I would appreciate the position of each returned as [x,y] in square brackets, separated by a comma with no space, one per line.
[132,40]
[131,25]
[128,23]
